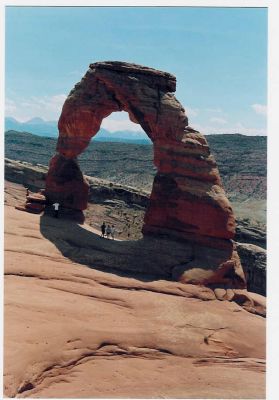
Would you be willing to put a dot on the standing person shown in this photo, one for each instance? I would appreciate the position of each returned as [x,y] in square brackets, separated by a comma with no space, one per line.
[27,192]
[112,232]
[56,209]
[103,229]
[108,231]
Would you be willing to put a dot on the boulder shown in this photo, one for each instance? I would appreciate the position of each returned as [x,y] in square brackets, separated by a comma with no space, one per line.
[36,198]
[35,208]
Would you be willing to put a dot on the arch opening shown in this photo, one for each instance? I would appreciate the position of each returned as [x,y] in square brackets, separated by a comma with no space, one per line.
[121,154]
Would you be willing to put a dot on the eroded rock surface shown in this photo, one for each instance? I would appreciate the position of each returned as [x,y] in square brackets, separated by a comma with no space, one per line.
[77,332]
[26,174]
[253,260]
[247,233]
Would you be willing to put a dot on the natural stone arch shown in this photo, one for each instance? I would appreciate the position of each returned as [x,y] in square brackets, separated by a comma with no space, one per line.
[187,199]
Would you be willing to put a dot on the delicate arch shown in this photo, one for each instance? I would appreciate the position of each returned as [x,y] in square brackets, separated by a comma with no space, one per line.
[187,198]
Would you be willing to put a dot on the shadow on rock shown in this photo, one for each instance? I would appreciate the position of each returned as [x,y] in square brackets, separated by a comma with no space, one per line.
[146,259]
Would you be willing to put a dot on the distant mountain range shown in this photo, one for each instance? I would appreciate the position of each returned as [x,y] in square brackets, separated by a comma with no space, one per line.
[36,126]
[40,127]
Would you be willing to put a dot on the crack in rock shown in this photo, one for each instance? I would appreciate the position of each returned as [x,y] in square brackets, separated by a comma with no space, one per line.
[104,350]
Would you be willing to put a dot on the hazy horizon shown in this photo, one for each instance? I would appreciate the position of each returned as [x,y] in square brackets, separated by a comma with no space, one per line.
[135,134]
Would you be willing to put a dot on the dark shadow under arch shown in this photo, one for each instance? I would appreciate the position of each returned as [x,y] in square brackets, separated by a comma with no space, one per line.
[146,259]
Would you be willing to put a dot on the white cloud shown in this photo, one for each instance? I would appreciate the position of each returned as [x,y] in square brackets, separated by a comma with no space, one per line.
[259,109]
[119,121]
[46,107]
[219,121]
[10,107]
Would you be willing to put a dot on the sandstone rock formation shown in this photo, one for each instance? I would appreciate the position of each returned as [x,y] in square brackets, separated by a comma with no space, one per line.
[105,196]
[71,331]
[253,260]
[33,177]
[247,233]
[187,199]
[187,196]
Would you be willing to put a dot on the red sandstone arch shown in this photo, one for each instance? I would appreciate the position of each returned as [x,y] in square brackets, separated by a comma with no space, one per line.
[187,199]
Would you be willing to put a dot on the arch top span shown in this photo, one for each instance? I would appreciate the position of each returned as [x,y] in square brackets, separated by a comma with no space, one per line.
[152,77]
[146,94]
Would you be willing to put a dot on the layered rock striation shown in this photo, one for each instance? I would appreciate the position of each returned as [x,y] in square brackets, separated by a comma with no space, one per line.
[187,199]
[253,260]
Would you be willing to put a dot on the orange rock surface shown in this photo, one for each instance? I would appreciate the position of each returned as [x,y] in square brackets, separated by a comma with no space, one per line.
[71,331]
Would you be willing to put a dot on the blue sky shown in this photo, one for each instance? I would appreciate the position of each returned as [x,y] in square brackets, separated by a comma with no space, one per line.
[219,56]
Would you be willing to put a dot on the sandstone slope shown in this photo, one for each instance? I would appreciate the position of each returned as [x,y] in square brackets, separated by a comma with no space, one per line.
[77,332]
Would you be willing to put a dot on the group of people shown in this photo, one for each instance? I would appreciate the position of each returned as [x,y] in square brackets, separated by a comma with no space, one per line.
[107,231]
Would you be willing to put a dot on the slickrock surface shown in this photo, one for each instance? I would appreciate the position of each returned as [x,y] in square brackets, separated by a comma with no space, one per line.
[78,332]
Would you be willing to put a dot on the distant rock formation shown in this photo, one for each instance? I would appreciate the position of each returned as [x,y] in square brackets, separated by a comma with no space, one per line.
[100,190]
[26,174]
[253,260]
[187,199]
[247,233]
